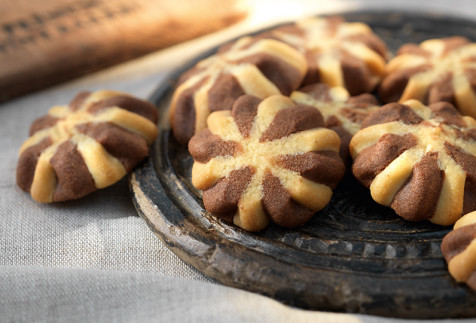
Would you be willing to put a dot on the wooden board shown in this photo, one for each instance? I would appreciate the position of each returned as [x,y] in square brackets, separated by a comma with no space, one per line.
[50,41]
[353,256]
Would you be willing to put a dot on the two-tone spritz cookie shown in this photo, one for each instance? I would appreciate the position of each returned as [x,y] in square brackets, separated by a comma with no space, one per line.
[266,161]
[89,144]
[419,160]
[435,70]
[258,67]
[339,53]
[459,249]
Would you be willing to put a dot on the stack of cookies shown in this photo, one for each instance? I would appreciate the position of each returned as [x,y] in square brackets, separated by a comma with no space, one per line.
[275,121]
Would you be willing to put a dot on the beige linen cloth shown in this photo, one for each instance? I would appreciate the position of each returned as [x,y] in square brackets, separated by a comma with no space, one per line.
[94,259]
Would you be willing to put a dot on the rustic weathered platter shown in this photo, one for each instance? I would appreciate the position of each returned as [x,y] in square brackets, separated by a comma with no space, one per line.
[353,256]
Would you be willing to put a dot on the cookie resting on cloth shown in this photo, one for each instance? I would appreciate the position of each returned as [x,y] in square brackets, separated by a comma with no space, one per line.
[435,70]
[459,249]
[84,146]
[339,53]
[266,161]
[342,113]
[419,160]
[259,67]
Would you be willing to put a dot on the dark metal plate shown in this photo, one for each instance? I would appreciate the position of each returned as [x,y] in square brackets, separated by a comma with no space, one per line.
[353,256]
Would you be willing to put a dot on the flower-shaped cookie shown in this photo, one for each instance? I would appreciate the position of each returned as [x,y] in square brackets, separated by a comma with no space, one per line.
[436,70]
[86,145]
[266,160]
[342,113]
[419,160]
[339,53]
[459,249]
[259,67]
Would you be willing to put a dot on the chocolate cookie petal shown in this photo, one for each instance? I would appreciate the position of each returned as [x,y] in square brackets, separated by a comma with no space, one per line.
[292,120]
[222,199]
[27,163]
[279,205]
[414,203]
[73,177]
[205,146]
[321,167]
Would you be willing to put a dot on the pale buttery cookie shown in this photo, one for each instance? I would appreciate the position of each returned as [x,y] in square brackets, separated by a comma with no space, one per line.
[459,249]
[266,161]
[84,146]
[342,113]
[419,160]
[339,53]
[258,67]
[435,70]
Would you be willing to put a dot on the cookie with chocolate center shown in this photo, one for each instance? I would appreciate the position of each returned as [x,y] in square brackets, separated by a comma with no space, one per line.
[84,146]
[435,70]
[342,113]
[419,160]
[258,67]
[266,161]
[459,249]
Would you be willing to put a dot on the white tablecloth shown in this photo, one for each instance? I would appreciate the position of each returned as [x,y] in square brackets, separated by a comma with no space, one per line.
[94,259]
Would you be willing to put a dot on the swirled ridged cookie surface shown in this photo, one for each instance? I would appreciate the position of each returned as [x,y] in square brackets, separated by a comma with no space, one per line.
[419,160]
[342,113]
[266,160]
[459,249]
[259,67]
[339,53]
[435,70]
[86,145]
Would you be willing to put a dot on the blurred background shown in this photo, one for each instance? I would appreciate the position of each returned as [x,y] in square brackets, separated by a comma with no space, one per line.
[43,43]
